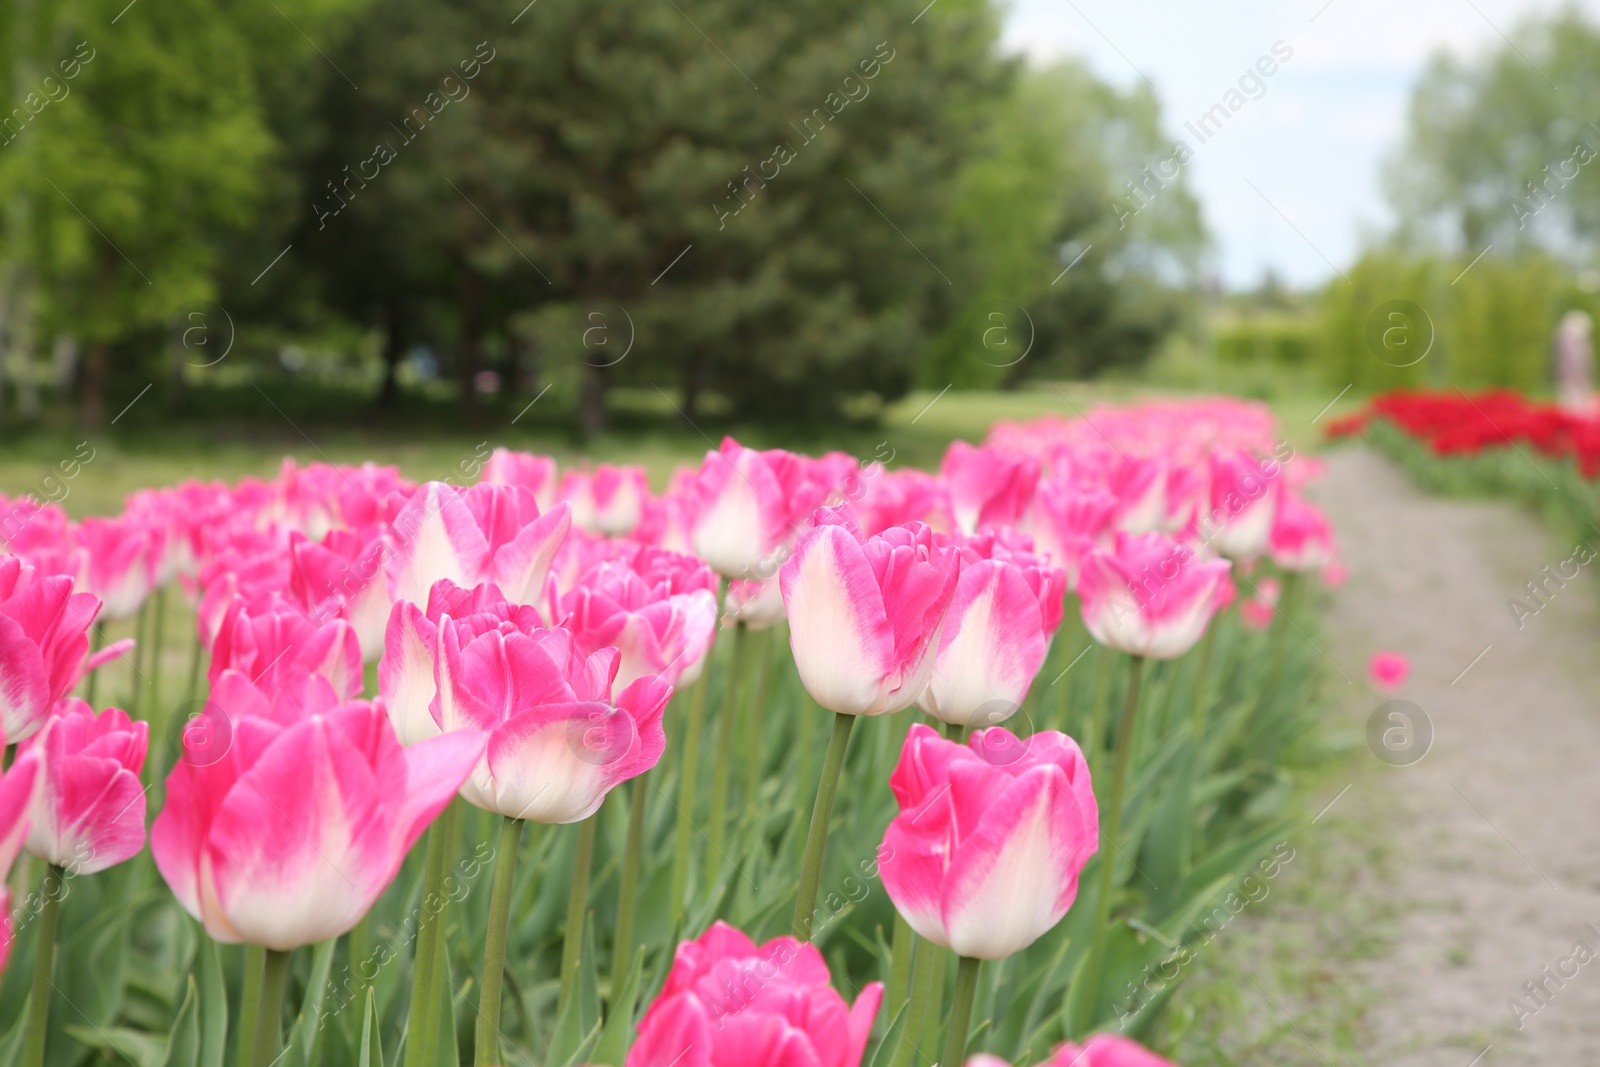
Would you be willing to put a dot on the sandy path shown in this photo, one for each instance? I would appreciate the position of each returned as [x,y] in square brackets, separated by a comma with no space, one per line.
[1496,832]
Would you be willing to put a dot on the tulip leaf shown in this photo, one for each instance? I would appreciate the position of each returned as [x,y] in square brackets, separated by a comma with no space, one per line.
[183,1040]
[447,1050]
[371,1054]
[11,1043]
[302,1044]
[892,1036]
[138,1047]
[618,1028]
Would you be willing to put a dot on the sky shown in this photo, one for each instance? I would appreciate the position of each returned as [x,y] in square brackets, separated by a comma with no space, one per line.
[1292,182]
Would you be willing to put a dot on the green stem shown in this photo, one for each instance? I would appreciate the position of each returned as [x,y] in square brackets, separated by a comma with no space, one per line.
[486,1044]
[927,958]
[141,620]
[274,983]
[97,641]
[358,947]
[955,1042]
[1111,829]
[1197,714]
[430,921]
[43,965]
[255,964]
[158,630]
[805,731]
[689,779]
[622,945]
[723,768]
[954,731]
[755,717]
[1094,734]
[577,906]
[900,966]
[805,902]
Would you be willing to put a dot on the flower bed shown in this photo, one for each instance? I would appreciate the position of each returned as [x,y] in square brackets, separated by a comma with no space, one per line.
[551,769]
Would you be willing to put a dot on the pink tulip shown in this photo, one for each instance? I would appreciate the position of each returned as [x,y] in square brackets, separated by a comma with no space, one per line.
[1388,671]
[342,575]
[88,808]
[122,559]
[285,835]
[536,474]
[894,498]
[278,644]
[1106,1050]
[658,629]
[985,853]
[759,605]
[1302,538]
[1244,502]
[750,506]
[488,533]
[610,501]
[727,1001]
[1068,520]
[1151,596]
[407,673]
[988,486]
[1140,486]
[1007,604]
[865,612]
[559,740]
[44,639]
[1334,574]
[16,792]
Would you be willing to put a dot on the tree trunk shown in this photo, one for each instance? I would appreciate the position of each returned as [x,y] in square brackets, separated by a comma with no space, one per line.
[393,351]
[469,359]
[592,402]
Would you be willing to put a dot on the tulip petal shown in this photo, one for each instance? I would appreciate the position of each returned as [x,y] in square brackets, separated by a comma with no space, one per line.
[24,689]
[843,643]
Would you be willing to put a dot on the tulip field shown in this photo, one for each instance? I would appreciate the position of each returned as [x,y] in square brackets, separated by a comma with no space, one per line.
[789,761]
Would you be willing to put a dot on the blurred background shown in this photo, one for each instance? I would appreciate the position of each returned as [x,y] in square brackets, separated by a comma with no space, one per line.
[630,227]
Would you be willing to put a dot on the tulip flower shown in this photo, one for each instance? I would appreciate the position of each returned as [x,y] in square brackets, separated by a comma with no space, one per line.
[1244,502]
[1068,520]
[537,474]
[16,790]
[1106,1050]
[121,563]
[758,605]
[1140,486]
[988,486]
[88,808]
[895,498]
[1301,538]
[985,853]
[728,1001]
[44,642]
[1007,603]
[342,575]
[558,738]
[749,506]
[487,533]
[279,644]
[610,501]
[1151,596]
[865,613]
[984,856]
[1257,611]
[657,631]
[285,835]
[1388,671]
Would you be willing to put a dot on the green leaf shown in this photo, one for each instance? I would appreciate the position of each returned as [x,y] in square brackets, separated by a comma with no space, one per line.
[183,1040]
[139,1048]
[614,1038]
[371,1040]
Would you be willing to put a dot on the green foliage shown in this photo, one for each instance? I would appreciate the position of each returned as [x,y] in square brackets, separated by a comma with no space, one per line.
[1492,322]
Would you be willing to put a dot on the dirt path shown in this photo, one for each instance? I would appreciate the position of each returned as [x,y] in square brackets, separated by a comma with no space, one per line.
[1495,834]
